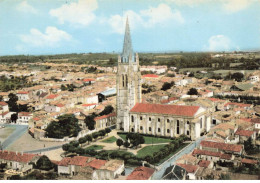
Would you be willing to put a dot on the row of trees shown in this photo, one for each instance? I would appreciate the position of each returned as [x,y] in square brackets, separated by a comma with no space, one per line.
[73,146]
[14,83]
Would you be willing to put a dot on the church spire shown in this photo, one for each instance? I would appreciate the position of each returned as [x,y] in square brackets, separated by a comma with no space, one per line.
[127,48]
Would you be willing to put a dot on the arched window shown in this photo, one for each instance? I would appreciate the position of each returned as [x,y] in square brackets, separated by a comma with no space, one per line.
[133,120]
[126,80]
[150,129]
[168,130]
[133,130]
[188,122]
[141,128]
[159,130]
[123,81]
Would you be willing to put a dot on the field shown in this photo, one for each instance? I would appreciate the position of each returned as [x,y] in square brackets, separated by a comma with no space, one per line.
[149,150]
[110,140]
[94,147]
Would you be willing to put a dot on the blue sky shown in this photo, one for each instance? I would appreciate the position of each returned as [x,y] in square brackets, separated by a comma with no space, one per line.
[82,26]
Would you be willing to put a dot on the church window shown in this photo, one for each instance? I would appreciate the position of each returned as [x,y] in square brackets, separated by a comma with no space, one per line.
[178,126]
[150,119]
[141,118]
[123,80]
[159,119]
[159,130]
[126,81]
[168,130]
[150,129]
[168,121]
[188,122]
[133,130]
[141,128]
[188,133]
[133,120]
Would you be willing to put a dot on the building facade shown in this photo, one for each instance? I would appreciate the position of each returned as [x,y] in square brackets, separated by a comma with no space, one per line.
[155,119]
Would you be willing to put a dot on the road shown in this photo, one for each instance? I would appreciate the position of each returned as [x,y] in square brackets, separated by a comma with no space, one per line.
[158,174]
[44,149]
[17,133]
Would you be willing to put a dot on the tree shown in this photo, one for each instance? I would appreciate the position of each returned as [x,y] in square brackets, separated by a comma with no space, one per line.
[224,177]
[102,133]
[148,158]
[238,76]
[90,122]
[89,138]
[108,109]
[82,140]
[95,135]
[167,86]
[80,150]
[126,144]
[108,130]
[1,98]
[63,87]
[65,147]
[67,125]
[12,102]
[44,163]
[119,142]
[14,117]
[193,91]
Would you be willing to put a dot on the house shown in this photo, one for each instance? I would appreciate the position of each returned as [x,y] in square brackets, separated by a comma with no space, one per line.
[232,105]
[23,95]
[54,107]
[52,97]
[5,117]
[111,170]
[105,121]
[24,117]
[244,135]
[89,106]
[105,94]
[18,161]
[88,81]
[221,147]
[141,173]
[191,170]
[4,106]
[256,122]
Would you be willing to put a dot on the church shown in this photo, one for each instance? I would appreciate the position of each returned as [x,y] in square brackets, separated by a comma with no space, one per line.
[146,118]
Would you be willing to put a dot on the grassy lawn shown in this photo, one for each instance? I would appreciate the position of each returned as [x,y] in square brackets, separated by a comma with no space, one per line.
[110,140]
[148,150]
[95,147]
[150,140]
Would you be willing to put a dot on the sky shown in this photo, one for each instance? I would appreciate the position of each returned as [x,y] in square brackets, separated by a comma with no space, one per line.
[36,27]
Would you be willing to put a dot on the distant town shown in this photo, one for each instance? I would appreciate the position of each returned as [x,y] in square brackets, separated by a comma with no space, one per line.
[103,116]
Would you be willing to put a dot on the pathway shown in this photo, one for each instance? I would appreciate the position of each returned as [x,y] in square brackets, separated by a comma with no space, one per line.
[188,149]
[17,133]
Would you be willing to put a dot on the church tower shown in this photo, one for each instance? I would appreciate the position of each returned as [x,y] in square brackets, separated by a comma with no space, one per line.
[128,82]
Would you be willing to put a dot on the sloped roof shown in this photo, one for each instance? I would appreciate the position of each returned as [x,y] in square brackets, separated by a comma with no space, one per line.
[222,146]
[244,86]
[246,133]
[12,156]
[141,173]
[188,167]
[178,110]
[249,161]
[105,116]
[3,103]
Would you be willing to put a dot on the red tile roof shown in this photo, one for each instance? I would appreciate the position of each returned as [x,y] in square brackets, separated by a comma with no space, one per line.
[237,104]
[24,114]
[5,113]
[215,99]
[52,96]
[12,156]
[22,92]
[226,156]
[141,173]
[207,153]
[249,161]
[88,79]
[3,103]
[255,120]
[96,163]
[150,76]
[87,105]
[178,110]
[105,116]
[222,146]
[245,133]
[168,100]
[76,160]
[189,168]
[59,105]
[36,119]
[204,163]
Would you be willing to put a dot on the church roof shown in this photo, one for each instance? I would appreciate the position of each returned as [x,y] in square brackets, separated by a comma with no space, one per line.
[127,48]
[178,110]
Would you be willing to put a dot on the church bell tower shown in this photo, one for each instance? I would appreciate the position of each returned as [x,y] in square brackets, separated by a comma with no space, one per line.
[128,82]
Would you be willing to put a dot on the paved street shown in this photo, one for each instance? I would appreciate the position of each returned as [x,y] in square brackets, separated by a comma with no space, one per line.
[17,133]
[158,175]
[44,149]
